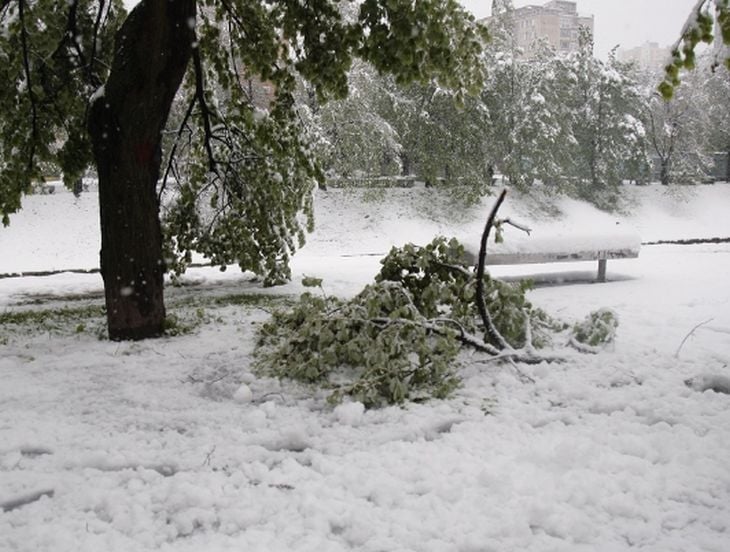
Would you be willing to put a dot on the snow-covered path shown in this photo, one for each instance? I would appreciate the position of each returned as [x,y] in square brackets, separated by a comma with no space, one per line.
[154,445]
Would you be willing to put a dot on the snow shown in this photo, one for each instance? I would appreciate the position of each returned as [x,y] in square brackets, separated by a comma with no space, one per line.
[174,444]
[243,394]
[98,93]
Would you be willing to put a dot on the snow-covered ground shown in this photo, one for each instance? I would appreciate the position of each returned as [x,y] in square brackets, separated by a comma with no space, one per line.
[174,444]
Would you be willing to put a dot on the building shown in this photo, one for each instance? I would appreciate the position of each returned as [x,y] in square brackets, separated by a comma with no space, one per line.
[557,22]
[647,57]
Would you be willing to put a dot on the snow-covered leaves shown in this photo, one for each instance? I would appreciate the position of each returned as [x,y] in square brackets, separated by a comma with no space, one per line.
[700,26]
[399,338]
[597,329]
[678,134]
[603,108]
[571,122]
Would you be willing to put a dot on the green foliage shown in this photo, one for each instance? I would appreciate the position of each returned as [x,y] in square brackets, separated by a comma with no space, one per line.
[571,122]
[387,129]
[49,68]
[351,136]
[371,348]
[311,281]
[443,287]
[603,115]
[429,39]
[442,137]
[700,28]
[243,168]
[54,321]
[598,328]
[399,338]
[185,321]
[526,127]
[247,211]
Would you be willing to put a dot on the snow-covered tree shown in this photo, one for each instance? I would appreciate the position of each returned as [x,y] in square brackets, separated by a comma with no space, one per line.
[677,134]
[525,124]
[718,115]
[442,139]
[351,135]
[85,83]
[606,135]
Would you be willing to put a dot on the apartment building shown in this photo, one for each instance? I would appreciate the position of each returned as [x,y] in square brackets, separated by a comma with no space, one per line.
[648,57]
[558,22]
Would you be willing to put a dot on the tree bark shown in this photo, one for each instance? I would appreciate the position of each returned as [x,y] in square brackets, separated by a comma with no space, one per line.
[152,50]
[493,335]
[664,173]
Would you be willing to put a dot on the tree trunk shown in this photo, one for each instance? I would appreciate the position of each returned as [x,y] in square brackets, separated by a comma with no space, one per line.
[152,50]
[664,173]
[727,164]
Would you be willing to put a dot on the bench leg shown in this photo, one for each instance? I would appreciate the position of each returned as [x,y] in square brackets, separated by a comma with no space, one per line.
[601,270]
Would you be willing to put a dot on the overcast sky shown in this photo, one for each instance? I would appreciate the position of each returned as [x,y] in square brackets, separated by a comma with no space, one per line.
[628,23]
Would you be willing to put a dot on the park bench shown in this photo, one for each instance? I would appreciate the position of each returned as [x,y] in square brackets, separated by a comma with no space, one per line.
[563,247]
[564,256]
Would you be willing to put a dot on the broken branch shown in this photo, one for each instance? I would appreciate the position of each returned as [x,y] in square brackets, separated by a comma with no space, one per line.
[493,334]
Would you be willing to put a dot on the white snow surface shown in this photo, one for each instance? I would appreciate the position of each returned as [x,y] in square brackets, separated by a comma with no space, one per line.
[173,444]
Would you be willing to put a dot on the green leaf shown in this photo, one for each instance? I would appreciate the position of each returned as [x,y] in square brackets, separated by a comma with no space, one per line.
[310,281]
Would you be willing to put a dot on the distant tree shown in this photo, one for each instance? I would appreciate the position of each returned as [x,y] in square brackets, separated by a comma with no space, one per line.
[525,120]
[718,115]
[351,135]
[606,133]
[442,138]
[677,134]
[75,65]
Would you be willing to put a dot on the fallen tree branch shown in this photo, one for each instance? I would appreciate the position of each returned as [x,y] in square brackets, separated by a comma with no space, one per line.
[493,334]
[457,268]
[466,338]
[582,347]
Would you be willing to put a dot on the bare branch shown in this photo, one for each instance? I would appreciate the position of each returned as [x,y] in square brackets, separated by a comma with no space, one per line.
[457,268]
[73,32]
[205,111]
[171,159]
[583,347]
[95,37]
[517,225]
[3,7]
[494,336]
[234,63]
[690,334]
[466,338]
